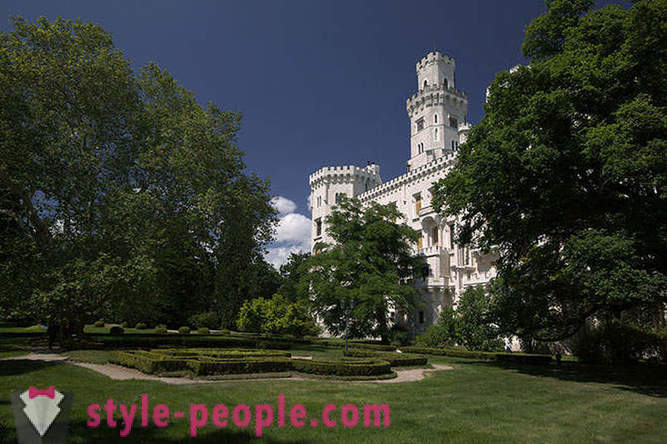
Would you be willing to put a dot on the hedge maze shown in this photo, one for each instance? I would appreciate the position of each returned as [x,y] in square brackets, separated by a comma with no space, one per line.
[214,362]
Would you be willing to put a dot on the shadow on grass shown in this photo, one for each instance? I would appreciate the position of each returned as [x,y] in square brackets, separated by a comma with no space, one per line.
[15,367]
[651,381]
[80,433]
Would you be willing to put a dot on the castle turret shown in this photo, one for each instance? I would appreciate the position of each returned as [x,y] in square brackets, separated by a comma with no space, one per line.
[329,184]
[436,110]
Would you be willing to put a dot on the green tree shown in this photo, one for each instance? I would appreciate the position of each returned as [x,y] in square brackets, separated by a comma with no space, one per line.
[276,316]
[471,325]
[119,194]
[565,174]
[356,281]
[291,273]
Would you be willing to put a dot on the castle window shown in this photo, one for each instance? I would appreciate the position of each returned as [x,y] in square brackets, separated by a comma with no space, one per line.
[453,146]
[420,124]
[434,236]
[421,317]
[425,84]
[446,85]
[466,256]
[319,201]
[436,134]
[418,203]
[451,237]
[453,122]
[436,118]
[420,242]
[318,227]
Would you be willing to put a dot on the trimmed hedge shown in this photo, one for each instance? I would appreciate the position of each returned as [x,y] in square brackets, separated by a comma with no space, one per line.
[394,359]
[523,358]
[346,367]
[116,330]
[227,353]
[227,366]
[219,362]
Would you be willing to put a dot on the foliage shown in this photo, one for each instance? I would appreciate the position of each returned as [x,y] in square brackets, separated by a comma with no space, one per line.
[204,320]
[116,184]
[116,330]
[615,342]
[394,359]
[161,330]
[291,273]
[203,331]
[99,323]
[276,316]
[355,282]
[524,358]
[350,367]
[471,324]
[565,175]
[184,330]
[141,326]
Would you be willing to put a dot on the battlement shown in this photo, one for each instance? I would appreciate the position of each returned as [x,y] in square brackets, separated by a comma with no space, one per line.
[445,161]
[345,173]
[434,57]
[434,95]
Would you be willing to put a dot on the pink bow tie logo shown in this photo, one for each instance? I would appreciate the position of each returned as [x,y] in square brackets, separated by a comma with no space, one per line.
[34,392]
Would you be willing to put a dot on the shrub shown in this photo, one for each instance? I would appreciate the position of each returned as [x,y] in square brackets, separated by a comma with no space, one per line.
[461,353]
[208,320]
[203,331]
[116,330]
[224,366]
[124,324]
[161,330]
[346,367]
[225,331]
[184,330]
[616,342]
[394,359]
[276,316]
[141,326]
[99,323]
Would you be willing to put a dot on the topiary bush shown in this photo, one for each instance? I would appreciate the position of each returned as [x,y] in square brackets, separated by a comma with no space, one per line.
[116,330]
[394,359]
[141,326]
[184,330]
[225,331]
[124,324]
[345,367]
[462,353]
[161,330]
[99,323]
[203,331]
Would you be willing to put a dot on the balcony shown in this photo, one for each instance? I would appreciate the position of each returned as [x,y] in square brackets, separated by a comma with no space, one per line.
[433,250]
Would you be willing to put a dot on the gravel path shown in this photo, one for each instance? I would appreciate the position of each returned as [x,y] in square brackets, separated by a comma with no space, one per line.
[121,373]
[415,374]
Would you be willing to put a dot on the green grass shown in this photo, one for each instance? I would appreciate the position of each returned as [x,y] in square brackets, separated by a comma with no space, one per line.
[475,402]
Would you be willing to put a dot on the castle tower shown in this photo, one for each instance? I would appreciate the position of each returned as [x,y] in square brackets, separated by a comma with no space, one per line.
[436,110]
[328,184]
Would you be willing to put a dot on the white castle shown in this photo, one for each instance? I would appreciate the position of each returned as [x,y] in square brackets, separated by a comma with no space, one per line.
[437,114]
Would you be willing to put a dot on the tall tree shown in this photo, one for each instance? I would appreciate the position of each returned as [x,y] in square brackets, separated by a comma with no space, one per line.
[565,174]
[356,281]
[119,193]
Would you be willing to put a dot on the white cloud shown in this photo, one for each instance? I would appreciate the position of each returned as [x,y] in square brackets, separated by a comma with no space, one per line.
[283,205]
[292,232]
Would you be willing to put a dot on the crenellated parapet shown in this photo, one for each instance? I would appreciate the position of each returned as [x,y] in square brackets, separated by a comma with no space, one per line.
[346,174]
[436,95]
[433,58]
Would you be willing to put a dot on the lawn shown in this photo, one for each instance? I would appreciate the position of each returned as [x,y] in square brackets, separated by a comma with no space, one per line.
[477,401]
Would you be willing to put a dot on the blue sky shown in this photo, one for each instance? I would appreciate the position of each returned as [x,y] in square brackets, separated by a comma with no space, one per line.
[319,82]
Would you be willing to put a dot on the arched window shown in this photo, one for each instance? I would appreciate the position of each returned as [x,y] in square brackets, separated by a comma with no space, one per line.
[436,134]
[425,84]
[446,84]
[436,118]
